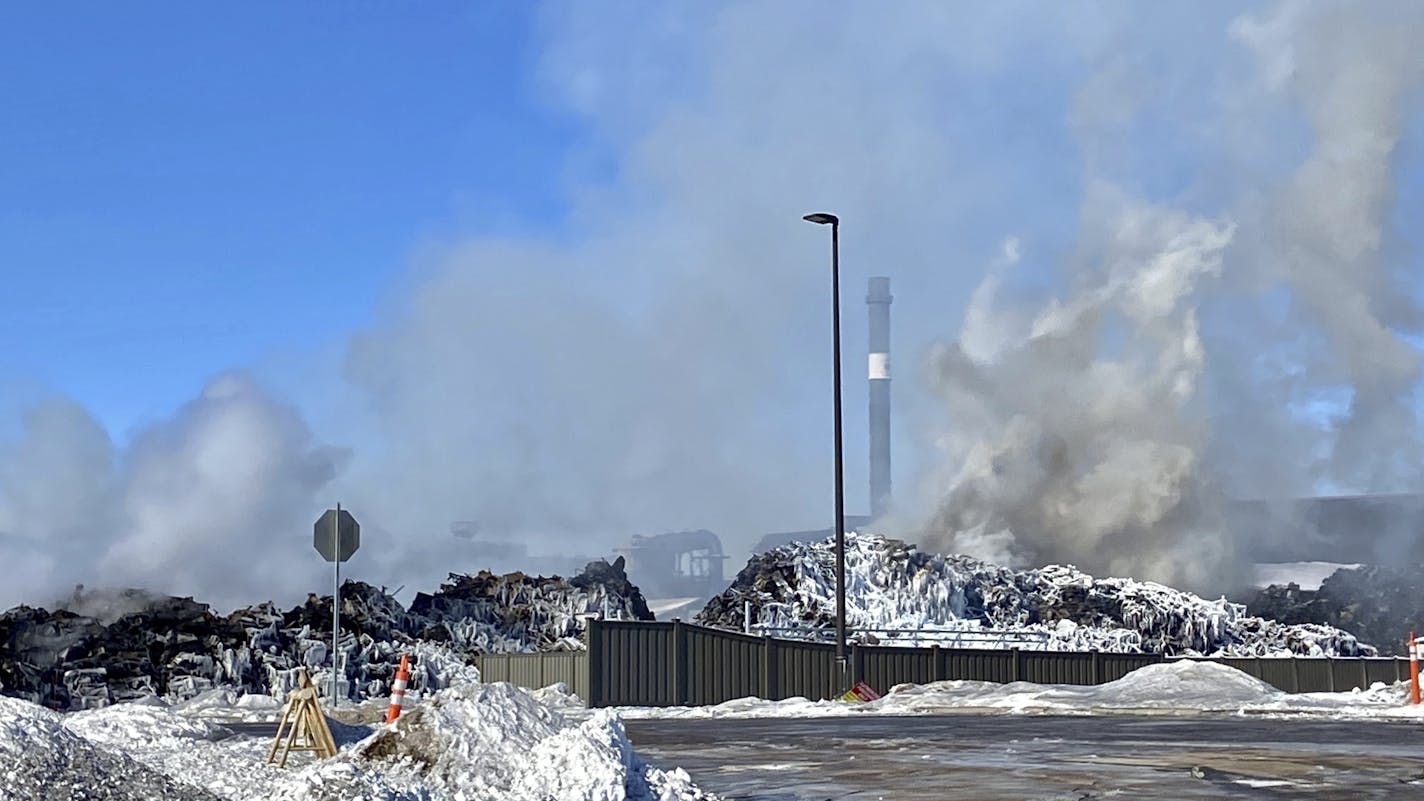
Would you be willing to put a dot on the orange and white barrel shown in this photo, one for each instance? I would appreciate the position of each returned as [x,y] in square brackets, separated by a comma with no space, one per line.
[1416,652]
[398,689]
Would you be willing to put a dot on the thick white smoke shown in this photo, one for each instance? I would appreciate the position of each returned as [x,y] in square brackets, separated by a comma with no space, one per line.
[1089,436]
[205,503]
[660,362]
[1078,435]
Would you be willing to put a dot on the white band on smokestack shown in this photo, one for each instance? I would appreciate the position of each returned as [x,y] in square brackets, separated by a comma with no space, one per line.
[879,366]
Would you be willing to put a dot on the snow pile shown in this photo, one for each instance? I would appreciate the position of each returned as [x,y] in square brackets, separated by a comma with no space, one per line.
[177,746]
[1183,687]
[471,743]
[220,766]
[558,696]
[42,759]
[900,595]
[495,741]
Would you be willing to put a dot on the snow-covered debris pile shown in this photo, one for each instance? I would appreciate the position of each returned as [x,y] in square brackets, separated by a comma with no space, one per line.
[892,586]
[1378,604]
[132,645]
[42,759]
[178,649]
[515,612]
[70,661]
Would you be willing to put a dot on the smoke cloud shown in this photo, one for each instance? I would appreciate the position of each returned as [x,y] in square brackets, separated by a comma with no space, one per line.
[1327,226]
[1194,293]
[202,503]
[1080,433]
[1109,433]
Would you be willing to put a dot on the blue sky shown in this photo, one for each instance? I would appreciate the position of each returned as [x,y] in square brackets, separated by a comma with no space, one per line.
[193,187]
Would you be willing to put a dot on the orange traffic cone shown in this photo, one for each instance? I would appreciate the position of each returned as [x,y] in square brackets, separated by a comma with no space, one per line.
[398,689]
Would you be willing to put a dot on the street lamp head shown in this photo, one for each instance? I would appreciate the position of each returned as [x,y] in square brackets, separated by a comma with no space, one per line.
[821,218]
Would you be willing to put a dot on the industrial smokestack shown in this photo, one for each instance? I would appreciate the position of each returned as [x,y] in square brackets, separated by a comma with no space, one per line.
[877,299]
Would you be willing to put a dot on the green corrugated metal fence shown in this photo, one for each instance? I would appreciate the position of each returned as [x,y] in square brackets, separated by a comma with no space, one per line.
[631,663]
[538,670]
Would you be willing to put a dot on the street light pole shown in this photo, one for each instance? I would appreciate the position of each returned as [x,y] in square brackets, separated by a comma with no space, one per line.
[835,223]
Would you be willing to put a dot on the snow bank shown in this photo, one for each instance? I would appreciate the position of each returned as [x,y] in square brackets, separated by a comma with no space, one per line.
[472,743]
[184,748]
[1184,687]
[962,602]
[43,759]
[495,741]
[558,696]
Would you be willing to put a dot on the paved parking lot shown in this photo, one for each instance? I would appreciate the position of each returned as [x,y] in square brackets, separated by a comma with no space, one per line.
[986,758]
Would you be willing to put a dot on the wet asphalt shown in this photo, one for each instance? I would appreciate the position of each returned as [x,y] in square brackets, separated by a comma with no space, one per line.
[967,757]
[1043,758]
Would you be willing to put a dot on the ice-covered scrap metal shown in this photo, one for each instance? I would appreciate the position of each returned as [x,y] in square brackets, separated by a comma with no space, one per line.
[68,661]
[516,612]
[1377,603]
[892,586]
[142,644]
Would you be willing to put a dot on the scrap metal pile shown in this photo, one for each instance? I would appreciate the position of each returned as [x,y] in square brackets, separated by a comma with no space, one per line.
[100,648]
[486,613]
[1375,603]
[904,595]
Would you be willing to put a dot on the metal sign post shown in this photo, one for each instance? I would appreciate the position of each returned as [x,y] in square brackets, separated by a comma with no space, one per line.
[336,536]
[335,605]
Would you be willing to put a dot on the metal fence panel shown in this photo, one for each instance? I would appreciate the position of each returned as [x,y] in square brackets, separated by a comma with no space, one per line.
[970,664]
[1316,675]
[803,669]
[527,670]
[1377,669]
[1349,674]
[631,664]
[1248,665]
[1283,674]
[884,666]
[579,671]
[1058,667]
[493,667]
[1114,666]
[533,671]
[657,664]
[722,665]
